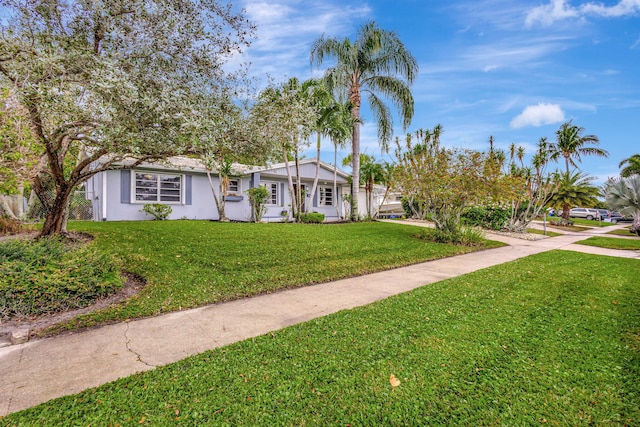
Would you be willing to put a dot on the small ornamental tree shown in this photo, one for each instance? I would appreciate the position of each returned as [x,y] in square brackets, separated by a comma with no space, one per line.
[258,197]
[443,182]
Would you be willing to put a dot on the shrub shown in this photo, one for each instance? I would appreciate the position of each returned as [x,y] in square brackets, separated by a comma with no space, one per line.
[47,275]
[486,217]
[312,218]
[258,201]
[463,236]
[157,210]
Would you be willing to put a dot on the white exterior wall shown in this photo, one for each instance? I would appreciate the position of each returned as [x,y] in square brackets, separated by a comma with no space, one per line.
[202,202]
[114,194]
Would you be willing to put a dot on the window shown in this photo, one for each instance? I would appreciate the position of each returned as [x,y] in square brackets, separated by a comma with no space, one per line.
[235,186]
[326,196]
[272,189]
[157,188]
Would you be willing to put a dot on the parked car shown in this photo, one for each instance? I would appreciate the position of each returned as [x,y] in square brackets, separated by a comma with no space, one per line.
[603,214]
[586,213]
[618,217]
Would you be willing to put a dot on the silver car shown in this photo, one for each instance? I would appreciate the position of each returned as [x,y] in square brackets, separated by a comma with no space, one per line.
[586,213]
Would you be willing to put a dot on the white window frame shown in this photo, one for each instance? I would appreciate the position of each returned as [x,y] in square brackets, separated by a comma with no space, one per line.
[238,190]
[322,196]
[268,185]
[134,187]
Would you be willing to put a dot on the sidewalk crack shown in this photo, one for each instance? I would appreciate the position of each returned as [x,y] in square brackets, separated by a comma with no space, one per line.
[130,350]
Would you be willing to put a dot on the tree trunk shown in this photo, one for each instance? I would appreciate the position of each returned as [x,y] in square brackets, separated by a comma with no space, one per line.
[219,203]
[315,180]
[355,166]
[294,210]
[335,180]
[54,222]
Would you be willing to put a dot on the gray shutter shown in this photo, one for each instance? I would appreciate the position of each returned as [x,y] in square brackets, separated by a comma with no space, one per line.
[125,185]
[187,189]
[316,197]
[282,193]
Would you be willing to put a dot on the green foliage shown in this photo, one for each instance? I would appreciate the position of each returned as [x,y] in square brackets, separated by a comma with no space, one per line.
[182,264]
[258,197]
[411,207]
[312,218]
[158,211]
[48,275]
[494,218]
[103,81]
[462,236]
[442,182]
[539,341]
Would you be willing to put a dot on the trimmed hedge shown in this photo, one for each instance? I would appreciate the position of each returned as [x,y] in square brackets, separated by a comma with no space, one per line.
[312,218]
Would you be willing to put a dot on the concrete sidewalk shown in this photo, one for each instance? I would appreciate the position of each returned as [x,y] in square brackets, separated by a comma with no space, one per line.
[43,369]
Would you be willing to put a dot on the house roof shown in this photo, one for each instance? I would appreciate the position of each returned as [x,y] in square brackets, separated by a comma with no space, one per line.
[182,163]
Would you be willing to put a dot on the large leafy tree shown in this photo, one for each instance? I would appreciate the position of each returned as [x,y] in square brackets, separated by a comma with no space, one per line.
[571,144]
[222,140]
[378,65]
[631,166]
[623,194]
[107,81]
[283,115]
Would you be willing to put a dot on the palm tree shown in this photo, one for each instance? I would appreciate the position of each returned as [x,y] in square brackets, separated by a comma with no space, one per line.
[571,144]
[624,195]
[574,189]
[339,126]
[371,173]
[376,63]
[632,168]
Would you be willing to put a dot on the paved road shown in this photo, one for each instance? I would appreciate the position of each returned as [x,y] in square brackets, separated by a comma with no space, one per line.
[43,369]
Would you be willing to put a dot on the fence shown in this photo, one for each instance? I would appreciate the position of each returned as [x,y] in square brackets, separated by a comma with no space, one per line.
[80,206]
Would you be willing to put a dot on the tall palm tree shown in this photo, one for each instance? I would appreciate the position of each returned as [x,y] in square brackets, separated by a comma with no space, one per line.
[632,168]
[339,126]
[376,63]
[571,144]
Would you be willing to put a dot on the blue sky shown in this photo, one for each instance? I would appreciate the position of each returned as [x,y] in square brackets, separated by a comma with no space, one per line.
[512,69]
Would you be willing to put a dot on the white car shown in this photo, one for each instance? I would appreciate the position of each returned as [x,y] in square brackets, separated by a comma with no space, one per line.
[586,213]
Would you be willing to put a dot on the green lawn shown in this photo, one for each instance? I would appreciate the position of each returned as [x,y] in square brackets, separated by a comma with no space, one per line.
[612,243]
[193,263]
[548,232]
[591,223]
[539,341]
[622,232]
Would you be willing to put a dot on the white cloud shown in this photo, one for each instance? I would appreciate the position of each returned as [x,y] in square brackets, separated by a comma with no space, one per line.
[538,115]
[557,10]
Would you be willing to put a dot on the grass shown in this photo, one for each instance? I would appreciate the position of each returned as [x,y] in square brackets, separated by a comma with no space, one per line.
[539,341]
[548,232]
[612,243]
[622,232]
[193,263]
[591,223]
